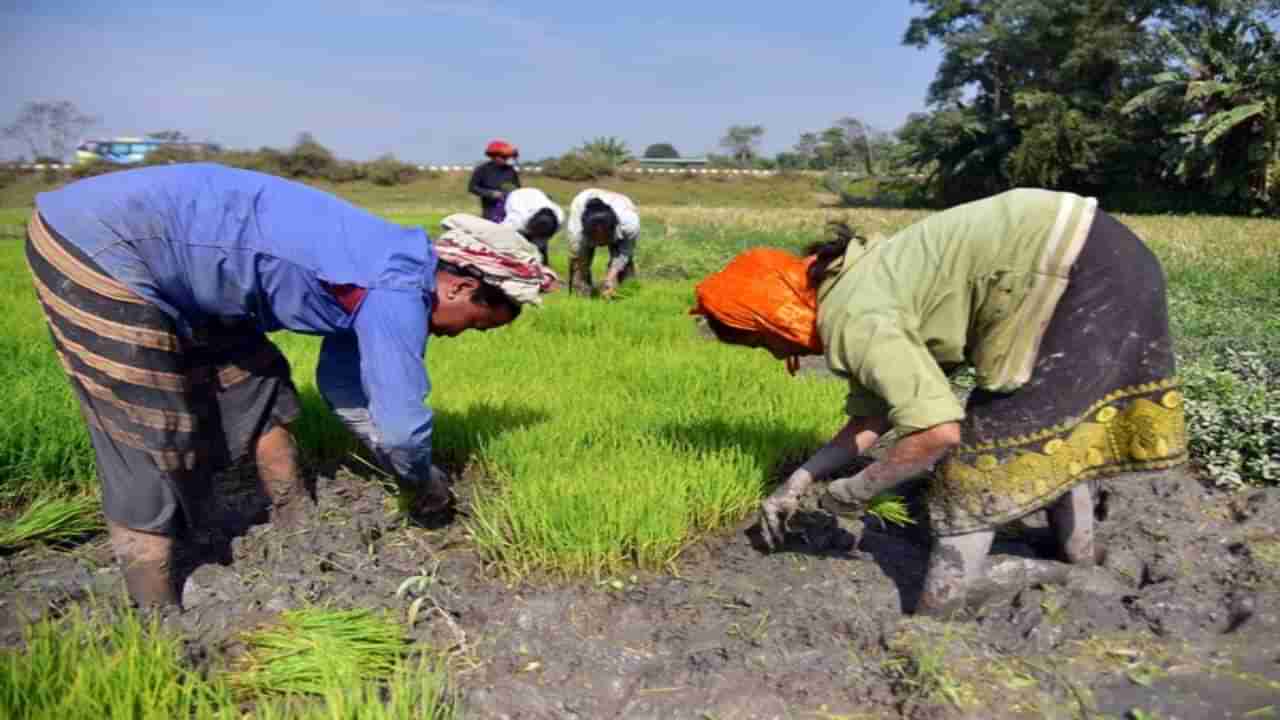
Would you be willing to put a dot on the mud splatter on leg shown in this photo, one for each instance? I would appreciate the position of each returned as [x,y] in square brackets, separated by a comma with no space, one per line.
[146,559]
[955,563]
[277,459]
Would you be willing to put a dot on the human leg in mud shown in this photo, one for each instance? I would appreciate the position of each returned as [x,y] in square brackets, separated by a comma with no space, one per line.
[1071,518]
[956,564]
[143,415]
[146,560]
[276,456]
[1102,399]
[957,572]
[580,259]
[255,401]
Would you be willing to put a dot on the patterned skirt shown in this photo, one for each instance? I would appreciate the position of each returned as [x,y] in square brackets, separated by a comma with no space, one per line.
[1103,398]
[163,411]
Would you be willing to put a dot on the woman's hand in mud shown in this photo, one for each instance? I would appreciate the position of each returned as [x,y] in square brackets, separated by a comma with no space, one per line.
[777,509]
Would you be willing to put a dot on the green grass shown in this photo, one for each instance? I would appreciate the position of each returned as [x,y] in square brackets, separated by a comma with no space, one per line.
[611,434]
[78,668]
[313,649]
[52,520]
[324,665]
[413,690]
[448,191]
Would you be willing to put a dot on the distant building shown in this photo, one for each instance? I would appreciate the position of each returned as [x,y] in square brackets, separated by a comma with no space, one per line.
[675,163]
[130,150]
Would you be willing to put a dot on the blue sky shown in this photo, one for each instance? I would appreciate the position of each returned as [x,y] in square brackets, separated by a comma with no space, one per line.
[434,81]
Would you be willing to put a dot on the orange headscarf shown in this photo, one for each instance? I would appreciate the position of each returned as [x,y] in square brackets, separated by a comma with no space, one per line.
[763,290]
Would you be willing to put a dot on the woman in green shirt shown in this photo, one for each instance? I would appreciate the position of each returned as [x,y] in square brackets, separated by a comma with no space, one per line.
[1060,310]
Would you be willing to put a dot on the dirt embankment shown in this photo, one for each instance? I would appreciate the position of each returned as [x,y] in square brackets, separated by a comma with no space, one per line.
[1182,618]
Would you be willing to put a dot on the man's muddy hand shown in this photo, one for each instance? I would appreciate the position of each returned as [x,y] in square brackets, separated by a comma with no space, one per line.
[777,509]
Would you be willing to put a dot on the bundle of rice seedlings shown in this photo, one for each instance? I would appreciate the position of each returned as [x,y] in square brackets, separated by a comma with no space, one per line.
[94,665]
[52,520]
[418,689]
[890,508]
[313,650]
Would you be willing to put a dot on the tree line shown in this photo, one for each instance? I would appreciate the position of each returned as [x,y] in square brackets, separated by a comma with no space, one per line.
[1165,105]
[1157,105]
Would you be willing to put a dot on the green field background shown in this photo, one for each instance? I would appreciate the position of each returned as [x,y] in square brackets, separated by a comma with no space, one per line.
[611,434]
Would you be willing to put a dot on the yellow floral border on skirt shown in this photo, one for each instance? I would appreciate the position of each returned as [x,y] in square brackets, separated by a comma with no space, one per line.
[982,486]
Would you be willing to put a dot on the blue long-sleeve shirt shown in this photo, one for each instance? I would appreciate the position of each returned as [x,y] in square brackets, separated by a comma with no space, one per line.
[203,241]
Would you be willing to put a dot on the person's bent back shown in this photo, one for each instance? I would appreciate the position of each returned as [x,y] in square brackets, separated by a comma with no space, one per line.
[159,285]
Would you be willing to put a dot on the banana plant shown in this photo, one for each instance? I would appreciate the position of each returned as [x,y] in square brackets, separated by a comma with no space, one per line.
[1224,93]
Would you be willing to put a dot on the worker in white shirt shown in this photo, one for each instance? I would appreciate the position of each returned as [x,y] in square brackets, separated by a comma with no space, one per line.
[600,218]
[535,216]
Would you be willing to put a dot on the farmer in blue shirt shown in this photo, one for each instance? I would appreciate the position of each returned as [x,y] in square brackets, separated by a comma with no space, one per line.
[159,285]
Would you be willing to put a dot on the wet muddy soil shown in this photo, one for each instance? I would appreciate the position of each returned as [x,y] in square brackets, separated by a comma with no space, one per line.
[1181,619]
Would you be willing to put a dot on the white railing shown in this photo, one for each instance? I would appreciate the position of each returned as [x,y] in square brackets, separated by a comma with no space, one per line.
[44,166]
[538,168]
[657,171]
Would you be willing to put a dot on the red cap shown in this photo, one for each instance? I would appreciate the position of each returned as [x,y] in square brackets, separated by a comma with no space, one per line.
[503,148]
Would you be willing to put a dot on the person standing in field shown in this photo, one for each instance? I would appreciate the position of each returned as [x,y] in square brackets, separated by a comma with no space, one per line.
[532,214]
[601,218]
[159,286]
[494,180]
[1059,308]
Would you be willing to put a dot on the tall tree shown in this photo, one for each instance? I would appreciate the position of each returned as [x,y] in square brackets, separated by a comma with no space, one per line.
[833,149]
[742,142]
[661,151]
[806,149]
[1029,88]
[611,149]
[48,129]
[864,143]
[1221,100]
[308,158]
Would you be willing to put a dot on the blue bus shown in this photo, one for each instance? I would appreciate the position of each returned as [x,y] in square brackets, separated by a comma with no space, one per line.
[130,150]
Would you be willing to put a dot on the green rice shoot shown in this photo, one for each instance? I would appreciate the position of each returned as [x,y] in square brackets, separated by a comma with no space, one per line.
[610,435]
[81,667]
[312,650]
[97,664]
[52,520]
[414,690]
[889,508]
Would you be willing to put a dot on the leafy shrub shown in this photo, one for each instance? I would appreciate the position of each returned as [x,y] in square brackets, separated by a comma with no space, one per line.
[578,166]
[1233,416]
[265,160]
[345,171]
[169,154]
[887,192]
[95,168]
[308,159]
[387,171]
[611,149]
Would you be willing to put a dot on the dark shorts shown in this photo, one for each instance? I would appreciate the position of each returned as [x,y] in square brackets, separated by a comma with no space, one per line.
[164,411]
[1103,398]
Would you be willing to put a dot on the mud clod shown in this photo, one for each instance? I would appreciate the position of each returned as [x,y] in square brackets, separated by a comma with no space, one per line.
[816,629]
